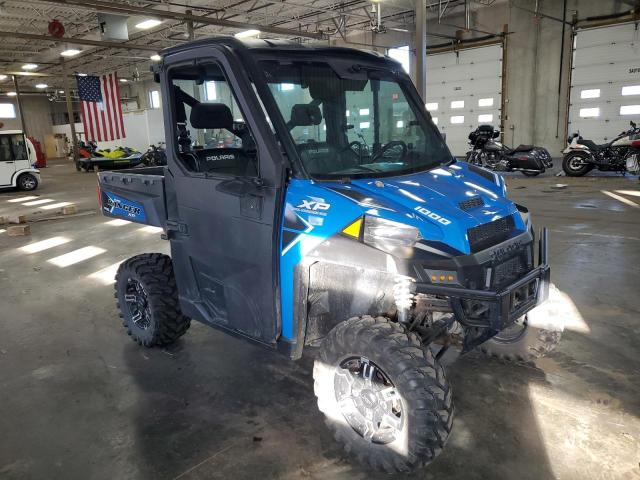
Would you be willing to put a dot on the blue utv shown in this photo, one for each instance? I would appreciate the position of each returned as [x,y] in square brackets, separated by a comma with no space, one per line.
[309,200]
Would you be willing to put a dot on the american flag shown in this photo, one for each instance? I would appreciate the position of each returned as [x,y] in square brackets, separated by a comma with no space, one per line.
[101,109]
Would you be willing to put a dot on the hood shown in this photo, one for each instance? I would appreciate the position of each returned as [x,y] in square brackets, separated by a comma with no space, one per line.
[443,203]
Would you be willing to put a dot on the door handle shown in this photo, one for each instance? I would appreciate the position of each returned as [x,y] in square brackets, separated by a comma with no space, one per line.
[251,206]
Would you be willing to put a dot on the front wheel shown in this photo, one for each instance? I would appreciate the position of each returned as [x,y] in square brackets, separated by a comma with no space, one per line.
[385,398]
[27,182]
[575,164]
[533,335]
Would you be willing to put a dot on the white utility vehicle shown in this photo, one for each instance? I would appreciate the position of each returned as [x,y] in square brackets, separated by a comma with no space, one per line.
[17,157]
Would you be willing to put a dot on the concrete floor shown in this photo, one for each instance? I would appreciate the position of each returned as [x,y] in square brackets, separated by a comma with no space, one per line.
[78,399]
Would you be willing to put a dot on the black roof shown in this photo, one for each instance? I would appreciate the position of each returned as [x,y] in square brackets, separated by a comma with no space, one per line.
[275,46]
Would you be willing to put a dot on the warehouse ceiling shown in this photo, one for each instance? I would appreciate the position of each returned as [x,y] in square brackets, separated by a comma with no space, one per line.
[300,20]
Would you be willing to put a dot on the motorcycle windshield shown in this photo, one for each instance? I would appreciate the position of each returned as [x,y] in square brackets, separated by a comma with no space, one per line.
[353,121]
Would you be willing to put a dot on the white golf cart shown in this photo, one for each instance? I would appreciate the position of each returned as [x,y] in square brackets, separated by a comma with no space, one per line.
[17,157]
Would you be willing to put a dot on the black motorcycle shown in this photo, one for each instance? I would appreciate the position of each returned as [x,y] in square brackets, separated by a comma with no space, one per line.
[489,153]
[155,156]
[581,156]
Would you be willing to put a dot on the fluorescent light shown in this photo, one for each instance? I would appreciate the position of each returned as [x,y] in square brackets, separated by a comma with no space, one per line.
[147,24]
[589,112]
[29,66]
[630,110]
[60,91]
[81,74]
[3,77]
[41,86]
[155,57]
[76,256]
[124,80]
[12,94]
[44,244]
[70,52]
[247,34]
[629,90]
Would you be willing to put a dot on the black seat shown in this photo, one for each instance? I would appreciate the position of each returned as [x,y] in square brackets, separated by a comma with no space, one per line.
[520,148]
[591,145]
[234,161]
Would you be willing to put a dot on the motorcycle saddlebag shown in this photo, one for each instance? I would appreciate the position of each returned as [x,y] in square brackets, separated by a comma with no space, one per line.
[528,159]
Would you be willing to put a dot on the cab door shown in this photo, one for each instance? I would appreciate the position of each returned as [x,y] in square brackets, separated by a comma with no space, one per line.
[224,194]
[7,160]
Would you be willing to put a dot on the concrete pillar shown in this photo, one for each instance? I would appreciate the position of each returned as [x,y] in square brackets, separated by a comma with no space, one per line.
[72,123]
[420,44]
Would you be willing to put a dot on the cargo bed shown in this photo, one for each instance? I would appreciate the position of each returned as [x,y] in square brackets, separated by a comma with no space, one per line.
[137,195]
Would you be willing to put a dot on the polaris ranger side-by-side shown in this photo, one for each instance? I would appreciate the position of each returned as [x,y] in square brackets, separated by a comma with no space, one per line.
[309,200]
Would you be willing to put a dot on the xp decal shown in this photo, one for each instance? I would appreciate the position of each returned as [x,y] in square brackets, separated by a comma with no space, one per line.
[119,207]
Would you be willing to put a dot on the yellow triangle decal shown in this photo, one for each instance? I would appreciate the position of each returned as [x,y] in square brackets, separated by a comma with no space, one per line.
[353,230]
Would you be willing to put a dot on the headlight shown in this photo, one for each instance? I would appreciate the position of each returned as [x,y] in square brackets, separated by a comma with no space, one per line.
[388,235]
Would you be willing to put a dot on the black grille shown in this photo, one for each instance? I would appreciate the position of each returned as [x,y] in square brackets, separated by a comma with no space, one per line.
[474,202]
[489,234]
[509,271]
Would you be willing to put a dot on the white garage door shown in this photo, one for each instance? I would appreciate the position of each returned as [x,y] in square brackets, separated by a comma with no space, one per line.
[464,90]
[605,81]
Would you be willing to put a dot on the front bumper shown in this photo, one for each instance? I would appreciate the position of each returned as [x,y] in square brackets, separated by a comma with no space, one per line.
[496,310]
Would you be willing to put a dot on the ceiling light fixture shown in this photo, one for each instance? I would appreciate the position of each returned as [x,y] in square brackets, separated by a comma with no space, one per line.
[29,66]
[147,24]
[81,74]
[12,94]
[71,52]
[3,77]
[247,34]
[41,86]
[124,80]
[155,57]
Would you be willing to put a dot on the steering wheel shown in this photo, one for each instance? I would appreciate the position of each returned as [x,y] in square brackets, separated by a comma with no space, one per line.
[388,146]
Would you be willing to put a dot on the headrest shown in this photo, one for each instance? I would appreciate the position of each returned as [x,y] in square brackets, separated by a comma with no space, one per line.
[305,115]
[211,115]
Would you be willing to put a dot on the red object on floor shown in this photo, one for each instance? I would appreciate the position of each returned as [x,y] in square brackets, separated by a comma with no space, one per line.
[41,158]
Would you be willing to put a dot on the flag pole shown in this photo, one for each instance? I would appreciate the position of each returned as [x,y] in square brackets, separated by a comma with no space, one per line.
[72,123]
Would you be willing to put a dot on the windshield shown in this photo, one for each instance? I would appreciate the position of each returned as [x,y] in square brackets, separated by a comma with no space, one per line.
[351,121]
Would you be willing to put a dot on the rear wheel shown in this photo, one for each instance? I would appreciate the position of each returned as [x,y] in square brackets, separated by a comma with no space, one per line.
[385,398]
[575,164]
[148,300]
[27,182]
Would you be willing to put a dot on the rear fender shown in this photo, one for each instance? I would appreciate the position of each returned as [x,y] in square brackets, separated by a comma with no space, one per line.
[34,171]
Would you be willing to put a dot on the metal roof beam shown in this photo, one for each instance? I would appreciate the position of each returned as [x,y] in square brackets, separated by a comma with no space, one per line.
[183,17]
